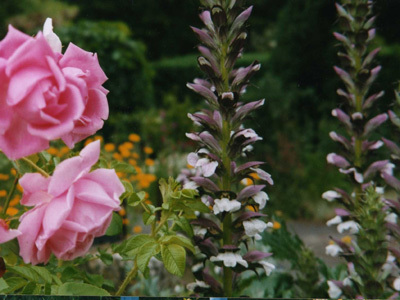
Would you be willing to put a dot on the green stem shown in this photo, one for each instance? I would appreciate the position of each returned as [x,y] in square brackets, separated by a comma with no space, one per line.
[132,273]
[10,194]
[33,165]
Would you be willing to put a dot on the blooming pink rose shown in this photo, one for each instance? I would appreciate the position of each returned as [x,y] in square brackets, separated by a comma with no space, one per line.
[45,95]
[71,208]
[7,234]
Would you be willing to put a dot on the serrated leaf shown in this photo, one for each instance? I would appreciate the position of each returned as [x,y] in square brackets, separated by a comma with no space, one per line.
[115,225]
[145,253]
[132,246]
[178,240]
[184,225]
[174,258]
[43,273]
[81,289]
[25,272]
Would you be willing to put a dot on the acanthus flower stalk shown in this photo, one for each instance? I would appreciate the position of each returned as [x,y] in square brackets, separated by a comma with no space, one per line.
[223,141]
[365,211]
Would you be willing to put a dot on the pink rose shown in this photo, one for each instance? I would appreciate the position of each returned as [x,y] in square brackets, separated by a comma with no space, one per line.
[71,208]
[7,234]
[45,95]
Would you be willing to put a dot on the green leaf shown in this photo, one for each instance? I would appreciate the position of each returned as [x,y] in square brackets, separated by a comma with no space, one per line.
[128,189]
[131,246]
[115,225]
[3,285]
[122,167]
[199,206]
[81,289]
[146,252]
[184,225]
[105,257]
[43,273]
[30,289]
[177,240]
[14,283]
[136,198]
[148,218]
[174,258]
[189,193]
[25,272]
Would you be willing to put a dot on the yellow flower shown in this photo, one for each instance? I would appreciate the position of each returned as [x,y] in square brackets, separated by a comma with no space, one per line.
[251,208]
[109,147]
[13,172]
[276,225]
[52,151]
[331,242]
[255,176]
[133,137]
[4,176]
[12,211]
[125,221]
[346,239]
[137,229]
[3,193]
[148,150]
[149,162]
[246,181]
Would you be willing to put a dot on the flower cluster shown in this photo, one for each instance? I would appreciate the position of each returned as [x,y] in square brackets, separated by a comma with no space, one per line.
[47,95]
[365,213]
[223,142]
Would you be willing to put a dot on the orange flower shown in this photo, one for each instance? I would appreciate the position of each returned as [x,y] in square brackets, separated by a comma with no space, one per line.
[346,239]
[19,188]
[13,172]
[125,153]
[137,229]
[133,137]
[122,212]
[132,162]
[148,150]
[88,141]
[117,156]
[52,151]
[125,221]
[3,193]
[276,225]
[98,137]
[135,155]
[109,147]
[149,162]
[12,211]
[128,145]
[64,150]
[15,200]
[4,177]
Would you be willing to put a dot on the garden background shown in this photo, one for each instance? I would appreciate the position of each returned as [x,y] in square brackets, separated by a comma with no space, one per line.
[149,53]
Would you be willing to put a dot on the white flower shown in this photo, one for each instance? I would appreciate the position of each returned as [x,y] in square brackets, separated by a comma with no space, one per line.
[391,218]
[334,221]
[331,195]
[352,226]
[388,169]
[229,259]
[254,227]
[261,199]
[190,185]
[333,250]
[248,148]
[396,284]
[357,176]
[249,133]
[52,39]
[197,267]
[204,199]
[198,283]
[380,190]
[268,267]
[334,291]
[347,281]
[206,165]
[224,204]
[200,231]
